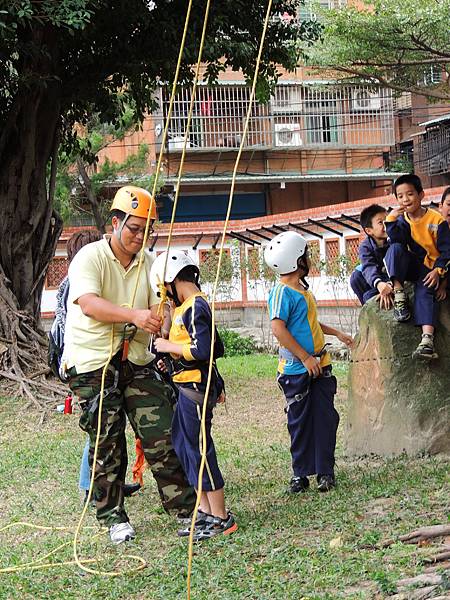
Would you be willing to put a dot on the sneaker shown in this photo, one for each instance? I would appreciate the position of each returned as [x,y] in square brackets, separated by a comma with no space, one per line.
[121,532]
[216,526]
[129,489]
[298,484]
[325,483]
[202,519]
[401,308]
[426,348]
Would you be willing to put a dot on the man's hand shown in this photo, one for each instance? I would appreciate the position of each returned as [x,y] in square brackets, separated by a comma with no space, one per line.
[441,294]
[432,279]
[313,366]
[144,319]
[345,339]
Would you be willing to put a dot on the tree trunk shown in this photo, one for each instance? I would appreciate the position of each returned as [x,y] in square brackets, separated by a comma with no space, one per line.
[29,228]
[92,198]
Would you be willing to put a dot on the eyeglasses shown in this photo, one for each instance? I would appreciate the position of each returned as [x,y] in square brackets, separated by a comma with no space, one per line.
[135,230]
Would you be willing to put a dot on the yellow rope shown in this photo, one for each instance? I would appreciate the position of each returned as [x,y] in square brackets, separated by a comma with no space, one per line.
[213,299]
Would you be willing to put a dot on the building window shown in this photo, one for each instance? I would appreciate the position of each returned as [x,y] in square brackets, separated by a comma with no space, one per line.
[208,265]
[57,270]
[332,257]
[314,257]
[352,252]
[321,119]
[253,263]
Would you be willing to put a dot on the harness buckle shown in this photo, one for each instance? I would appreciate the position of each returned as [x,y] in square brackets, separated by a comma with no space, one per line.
[129,331]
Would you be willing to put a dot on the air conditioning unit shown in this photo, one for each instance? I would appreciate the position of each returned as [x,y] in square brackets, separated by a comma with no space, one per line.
[288,134]
[365,100]
[287,99]
[177,143]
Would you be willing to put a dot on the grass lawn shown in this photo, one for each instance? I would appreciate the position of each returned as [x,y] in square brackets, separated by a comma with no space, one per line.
[282,548]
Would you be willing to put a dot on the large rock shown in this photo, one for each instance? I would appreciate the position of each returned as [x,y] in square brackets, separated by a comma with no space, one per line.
[397,403]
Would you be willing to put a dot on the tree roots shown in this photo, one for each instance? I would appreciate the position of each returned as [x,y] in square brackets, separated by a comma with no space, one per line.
[23,357]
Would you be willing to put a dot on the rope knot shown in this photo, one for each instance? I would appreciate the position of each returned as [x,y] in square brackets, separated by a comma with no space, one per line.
[162,293]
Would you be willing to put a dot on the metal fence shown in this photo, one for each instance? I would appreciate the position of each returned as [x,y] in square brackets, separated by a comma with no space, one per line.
[433,151]
[297,116]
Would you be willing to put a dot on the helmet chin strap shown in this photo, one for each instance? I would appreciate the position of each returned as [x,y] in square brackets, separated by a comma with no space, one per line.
[121,226]
[303,263]
[173,294]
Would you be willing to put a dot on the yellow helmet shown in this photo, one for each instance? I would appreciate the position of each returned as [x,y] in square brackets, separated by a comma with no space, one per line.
[134,201]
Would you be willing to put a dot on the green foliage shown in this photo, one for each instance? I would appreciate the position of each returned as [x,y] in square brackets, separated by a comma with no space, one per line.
[70,199]
[236,344]
[97,47]
[403,164]
[392,42]
[134,167]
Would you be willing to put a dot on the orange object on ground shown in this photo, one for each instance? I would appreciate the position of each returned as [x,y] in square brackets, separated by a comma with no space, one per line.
[139,464]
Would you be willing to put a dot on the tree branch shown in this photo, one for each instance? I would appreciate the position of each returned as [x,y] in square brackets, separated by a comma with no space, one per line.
[427,92]
[428,48]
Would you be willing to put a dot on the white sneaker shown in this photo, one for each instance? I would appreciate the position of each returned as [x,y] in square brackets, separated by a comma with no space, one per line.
[121,532]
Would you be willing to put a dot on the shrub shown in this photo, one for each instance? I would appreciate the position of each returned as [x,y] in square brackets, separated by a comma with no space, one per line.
[236,344]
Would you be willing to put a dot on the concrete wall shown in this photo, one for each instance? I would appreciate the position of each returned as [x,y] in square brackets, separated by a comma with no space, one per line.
[343,317]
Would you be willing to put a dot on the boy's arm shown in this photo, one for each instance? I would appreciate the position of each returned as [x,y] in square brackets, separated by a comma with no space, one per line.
[443,246]
[442,263]
[197,321]
[281,332]
[343,337]
[371,270]
[397,229]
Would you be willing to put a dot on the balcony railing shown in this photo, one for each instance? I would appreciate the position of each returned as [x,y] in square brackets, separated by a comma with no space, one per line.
[297,116]
[433,152]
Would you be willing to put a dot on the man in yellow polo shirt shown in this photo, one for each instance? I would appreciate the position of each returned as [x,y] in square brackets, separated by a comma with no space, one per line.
[102,281]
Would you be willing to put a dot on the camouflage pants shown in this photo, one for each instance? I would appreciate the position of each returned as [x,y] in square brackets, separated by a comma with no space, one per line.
[136,392]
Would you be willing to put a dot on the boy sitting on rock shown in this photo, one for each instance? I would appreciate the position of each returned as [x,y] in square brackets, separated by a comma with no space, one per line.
[370,277]
[420,252]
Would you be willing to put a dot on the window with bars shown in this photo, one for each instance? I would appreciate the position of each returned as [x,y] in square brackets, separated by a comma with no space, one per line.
[352,252]
[253,263]
[311,9]
[208,265]
[332,257]
[314,257]
[297,115]
[57,270]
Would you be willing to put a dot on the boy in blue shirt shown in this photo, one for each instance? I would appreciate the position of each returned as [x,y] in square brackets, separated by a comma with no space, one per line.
[189,345]
[370,277]
[304,368]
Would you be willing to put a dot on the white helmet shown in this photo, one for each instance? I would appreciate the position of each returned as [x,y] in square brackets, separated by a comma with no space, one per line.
[283,252]
[176,261]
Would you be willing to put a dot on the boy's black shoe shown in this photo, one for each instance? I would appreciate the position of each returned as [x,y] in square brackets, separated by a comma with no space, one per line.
[426,348]
[130,488]
[325,483]
[298,485]
[401,308]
